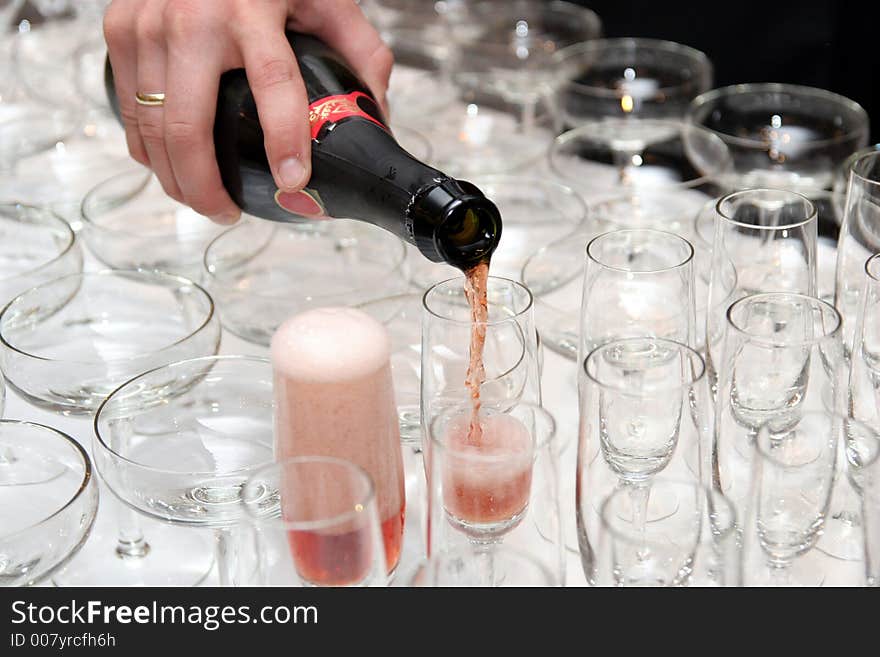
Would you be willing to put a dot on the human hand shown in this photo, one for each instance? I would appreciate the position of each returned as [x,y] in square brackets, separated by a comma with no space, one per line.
[182,47]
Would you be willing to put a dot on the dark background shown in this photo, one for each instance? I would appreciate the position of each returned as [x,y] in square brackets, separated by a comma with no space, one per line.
[819,43]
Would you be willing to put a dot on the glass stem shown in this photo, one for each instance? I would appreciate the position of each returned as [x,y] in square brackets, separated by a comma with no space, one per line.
[486,565]
[130,542]
[638,495]
[226,555]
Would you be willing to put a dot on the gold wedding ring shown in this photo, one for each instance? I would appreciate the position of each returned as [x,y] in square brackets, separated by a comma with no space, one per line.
[150,100]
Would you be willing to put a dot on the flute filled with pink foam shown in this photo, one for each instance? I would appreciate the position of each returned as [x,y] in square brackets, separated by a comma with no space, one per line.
[334,397]
[483,488]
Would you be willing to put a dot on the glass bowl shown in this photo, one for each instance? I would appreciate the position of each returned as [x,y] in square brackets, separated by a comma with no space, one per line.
[507,47]
[535,211]
[130,223]
[781,135]
[48,501]
[176,443]
[66,344]
[637,78]
[179,442]
[35,246]
[260,272]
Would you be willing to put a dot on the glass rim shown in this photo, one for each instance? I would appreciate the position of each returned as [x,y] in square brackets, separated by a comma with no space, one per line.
[87,477]
[648,231]
[701,62]
[585,16]
[612,528]
[67,230]
[778,87]
[584,131]
[530,300]
[853,168]
[104,444]
[366,501]
[813,302]
[247,222]
[120,273]
[812,213]
[89,216]
[872,268]
[464,409]
[692,354]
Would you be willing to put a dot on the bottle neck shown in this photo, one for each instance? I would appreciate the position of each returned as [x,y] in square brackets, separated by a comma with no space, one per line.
[453,222]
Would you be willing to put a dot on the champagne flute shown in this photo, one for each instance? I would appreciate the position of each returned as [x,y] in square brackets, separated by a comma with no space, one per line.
[502,488]
[768,238]
[643,405]
[782,357]
[859,239]
[637,283]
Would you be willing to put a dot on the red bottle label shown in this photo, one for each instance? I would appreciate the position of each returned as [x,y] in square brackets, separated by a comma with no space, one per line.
[331,109]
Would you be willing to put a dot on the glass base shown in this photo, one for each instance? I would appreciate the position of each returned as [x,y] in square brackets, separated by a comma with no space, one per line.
[171,557]
[842,537]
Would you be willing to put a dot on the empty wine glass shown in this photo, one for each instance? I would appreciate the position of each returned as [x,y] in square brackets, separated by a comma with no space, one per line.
[637,78]
[859,238]
[769,239]
[507,48]
[66,344]
[510,359]
[782,357]
[792,474]
[780,135]
[179,442]
[862,449]
[48,501]
[637,283]
[643,411]
[461,568]
[311,521]
[130,223]
[500,487]
[502,63]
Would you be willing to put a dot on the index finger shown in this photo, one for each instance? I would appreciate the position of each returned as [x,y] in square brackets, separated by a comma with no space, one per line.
[342,25]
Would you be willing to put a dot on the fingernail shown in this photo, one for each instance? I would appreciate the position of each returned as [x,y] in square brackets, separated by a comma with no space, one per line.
[292,173]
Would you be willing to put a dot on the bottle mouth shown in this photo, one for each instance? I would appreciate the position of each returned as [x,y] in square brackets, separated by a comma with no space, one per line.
[469,233]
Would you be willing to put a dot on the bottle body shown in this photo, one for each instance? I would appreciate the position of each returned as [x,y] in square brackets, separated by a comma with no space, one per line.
[359,171]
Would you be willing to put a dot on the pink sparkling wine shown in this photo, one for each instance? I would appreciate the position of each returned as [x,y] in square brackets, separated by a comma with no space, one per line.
[486,485]
[334,397]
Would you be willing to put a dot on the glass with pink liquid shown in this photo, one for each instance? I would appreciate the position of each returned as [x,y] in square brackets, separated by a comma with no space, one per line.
[499,488]
[313,521]
[334,397]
